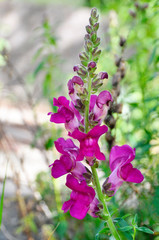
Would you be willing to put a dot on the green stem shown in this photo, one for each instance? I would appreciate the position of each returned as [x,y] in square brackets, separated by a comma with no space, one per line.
[87,105]
[134,233]
[94,171]
[105,208]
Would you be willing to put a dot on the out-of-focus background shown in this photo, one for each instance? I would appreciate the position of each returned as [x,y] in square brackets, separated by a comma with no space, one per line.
[40,41]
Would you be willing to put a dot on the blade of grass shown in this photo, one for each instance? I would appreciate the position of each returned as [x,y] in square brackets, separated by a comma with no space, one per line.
[2,197]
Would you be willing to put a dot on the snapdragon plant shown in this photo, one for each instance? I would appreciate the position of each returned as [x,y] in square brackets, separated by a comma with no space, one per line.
[82,117]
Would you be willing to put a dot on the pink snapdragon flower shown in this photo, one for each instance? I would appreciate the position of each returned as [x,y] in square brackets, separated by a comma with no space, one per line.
[80,199]
[122,169]
[67,164]
[75,87]
[66,114]
[89,143]
[99,105]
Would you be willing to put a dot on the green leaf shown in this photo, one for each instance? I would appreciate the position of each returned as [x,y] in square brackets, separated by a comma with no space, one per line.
[37,54]
[49,143]
[152,56]
[39,68]
[125,216]
[134,221]
[145,229]
[47,84]
[2,197]
[126,228]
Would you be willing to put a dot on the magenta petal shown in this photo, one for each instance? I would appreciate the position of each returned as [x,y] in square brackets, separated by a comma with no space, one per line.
[70,87]
[104,98]
[58,169]
[97,131]
[130,174]
[115,180]
[82,187]
[63,101]
[79,170]
[68,162]
[77,135]
[57,118]
[66,206]
[80,156]
[77,80]
[121,155]
[92,102]
[56,102]
[99,155]
[78,210]
[66,146]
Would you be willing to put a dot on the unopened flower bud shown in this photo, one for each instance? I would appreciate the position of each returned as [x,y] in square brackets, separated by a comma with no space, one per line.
[96,53]
[122,66]
[93,37]
[97,42]
[105,188]
[103,75]
[93,12]
[117,108]
[132,13]
[144,6]
[110,139]
[84,58]
[88,45]
[96,26]
[122,41]
[88,29]
[92,65]
[117,60]
[137,5]
[88,176]
[110,121]
[75,68]
[87,37]
[116,79]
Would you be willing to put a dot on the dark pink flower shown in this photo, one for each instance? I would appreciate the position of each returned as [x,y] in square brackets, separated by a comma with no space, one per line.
[80,198]
[75,86]
[121,167]
[89,143]
[99,105]
[67,164]
[66,114]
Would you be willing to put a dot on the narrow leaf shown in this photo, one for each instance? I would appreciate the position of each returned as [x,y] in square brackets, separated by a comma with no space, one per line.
[125,229]
[2,197]
[145,229]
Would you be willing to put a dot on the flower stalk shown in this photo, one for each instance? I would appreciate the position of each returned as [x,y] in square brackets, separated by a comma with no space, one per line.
[82,117]
[96,182]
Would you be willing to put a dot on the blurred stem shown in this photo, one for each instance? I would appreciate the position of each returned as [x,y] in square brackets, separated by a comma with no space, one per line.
[105,208]
[134,233]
